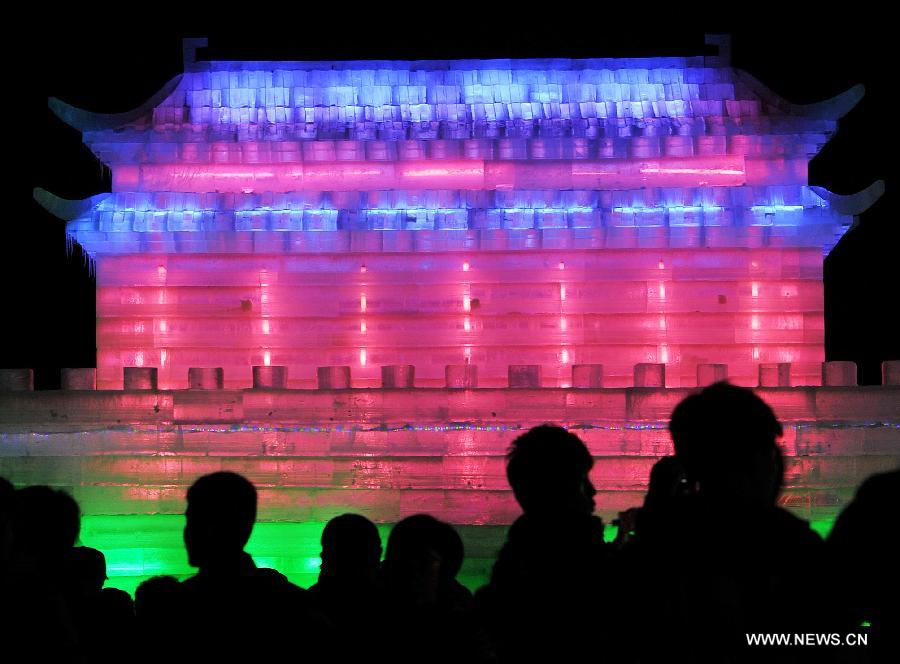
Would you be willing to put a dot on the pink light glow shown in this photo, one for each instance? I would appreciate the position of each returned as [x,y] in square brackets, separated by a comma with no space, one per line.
[612,309]
[463,174]
[476,169]
[694,171]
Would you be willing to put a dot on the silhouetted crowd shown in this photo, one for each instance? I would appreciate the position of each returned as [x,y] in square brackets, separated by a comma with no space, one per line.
[708,559]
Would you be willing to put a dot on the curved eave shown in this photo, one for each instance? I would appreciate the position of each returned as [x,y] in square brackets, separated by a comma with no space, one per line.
[829,109]
[65,209]
[852,204]
[87,121]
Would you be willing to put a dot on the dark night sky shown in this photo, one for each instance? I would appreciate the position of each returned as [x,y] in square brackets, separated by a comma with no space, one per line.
[114,66]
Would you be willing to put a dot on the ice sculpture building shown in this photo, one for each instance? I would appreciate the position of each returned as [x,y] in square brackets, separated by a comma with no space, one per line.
[372,275]
[550,213]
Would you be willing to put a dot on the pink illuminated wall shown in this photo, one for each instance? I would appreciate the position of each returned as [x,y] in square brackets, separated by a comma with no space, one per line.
[617,307]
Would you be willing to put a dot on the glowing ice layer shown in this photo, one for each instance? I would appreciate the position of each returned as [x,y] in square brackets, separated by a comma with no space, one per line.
[738,307]
[549,212]
[128,457]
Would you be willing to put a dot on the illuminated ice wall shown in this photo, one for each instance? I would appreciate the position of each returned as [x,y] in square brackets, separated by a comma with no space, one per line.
[492,213]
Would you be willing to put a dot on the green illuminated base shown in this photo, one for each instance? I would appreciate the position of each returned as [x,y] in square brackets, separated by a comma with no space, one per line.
[140,546]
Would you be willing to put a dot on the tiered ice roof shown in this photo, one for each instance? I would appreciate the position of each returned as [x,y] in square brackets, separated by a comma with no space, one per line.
[656,152]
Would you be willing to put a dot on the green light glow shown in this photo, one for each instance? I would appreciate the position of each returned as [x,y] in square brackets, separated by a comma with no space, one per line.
[143,545]
[822,526]
[140,546]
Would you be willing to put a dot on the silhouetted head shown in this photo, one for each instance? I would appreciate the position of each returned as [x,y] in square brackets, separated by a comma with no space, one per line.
[548,468]
[414,562]
[351,547]
[725,438]
[46,523]
[221,511]
[86,569]
[155,598]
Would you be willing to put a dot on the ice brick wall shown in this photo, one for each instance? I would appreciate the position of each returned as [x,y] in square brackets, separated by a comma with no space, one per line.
[618,307]
[388,454]
[545,212]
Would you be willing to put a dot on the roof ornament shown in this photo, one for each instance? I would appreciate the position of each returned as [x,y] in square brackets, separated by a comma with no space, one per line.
[189,46]
[723,41]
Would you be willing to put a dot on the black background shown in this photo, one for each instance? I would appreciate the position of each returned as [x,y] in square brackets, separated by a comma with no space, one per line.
[116,63]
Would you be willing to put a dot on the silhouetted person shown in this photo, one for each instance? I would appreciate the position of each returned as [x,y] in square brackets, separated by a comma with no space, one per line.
[544,599]
[231,609]
[347,592]
[548,469]
[38,619]
[157,603]
[104,617]
[46,524]
[152,599]
[713,557]
[667,486]
[85,570]
[452,552]
[865,547]
[433,611]
[351,550]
